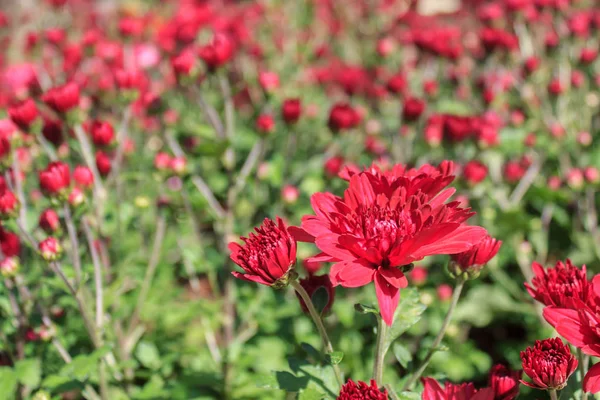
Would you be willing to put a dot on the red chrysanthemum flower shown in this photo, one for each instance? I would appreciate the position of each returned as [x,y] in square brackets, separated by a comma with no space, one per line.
[504,382]
[549,364]
[581,328]
[268,256]
[478,255]
[564,285]
[387,220]
[55,178]
[464,391]
[361,391]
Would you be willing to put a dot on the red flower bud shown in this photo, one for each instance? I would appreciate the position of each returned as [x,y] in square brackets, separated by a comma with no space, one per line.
[23,114]
[9,204]
[418,275]
[102,133]
[103,163]
[549,364]
[52,131]
[343,116]
[76,197]
[56,178]
[269,81]
[183,63]
[218,52]
[444,292]
[162,161]
[9,267]
[291,110]
[178,165]
[83,176]
[50,249]
[360,390]
[265,124]
[49,221]
[62,98]
[412,109]
[474,172]
[267,256]
[504,382]
[290,194]
[10,244]
[472,260]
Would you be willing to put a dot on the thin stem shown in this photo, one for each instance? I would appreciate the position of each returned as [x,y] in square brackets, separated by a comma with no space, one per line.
[552,393]
[210,114]
[379,351]
[583,366]
[161,227]
[97,276]
[391,392]
[320,327]
[247,168]
[438,339]
[80,303]
[86,150]
[19,186]
[74,243]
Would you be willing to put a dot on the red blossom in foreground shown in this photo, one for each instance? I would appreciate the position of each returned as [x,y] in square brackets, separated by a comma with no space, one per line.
[563,285]
[386,220]
[581,328]
[361,391]
[218,52]
[267,256]
[549,364]
[464,391]
[504,382]
[23,114]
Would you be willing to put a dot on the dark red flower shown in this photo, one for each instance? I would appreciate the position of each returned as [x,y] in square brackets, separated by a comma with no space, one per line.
[49,221]
[312,284]
[268,256]
[103,163]
[504,382]
[458,128]
[265,124]
[55,178]
[513,171]
[412,109]
[474,172]
[397,84]
[102,133]
[563,285]
[52,131]
[9,204]
[23,114]
[549,364]
[581,328]
[451,391]
[361,391]
[343,116]
[477,255]
[183,63]
[218,52]
[62,98]
[83,176]
[386,220]
[10,244]
[291,110]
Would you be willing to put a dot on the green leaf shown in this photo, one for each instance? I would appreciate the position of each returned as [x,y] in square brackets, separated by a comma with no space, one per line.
[407,314]
[148,355]
[402,354]
[8,383]
[409,396]
[335,358]
[311,394]
[365,309]
[29,372]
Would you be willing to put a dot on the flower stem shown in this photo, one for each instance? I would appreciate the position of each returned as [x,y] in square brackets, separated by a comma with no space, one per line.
[552,393]
[379,351]
[583,366]
[320,327]
[438,339]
